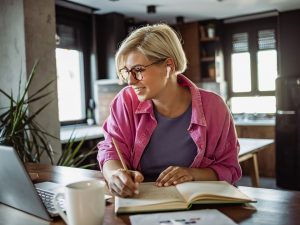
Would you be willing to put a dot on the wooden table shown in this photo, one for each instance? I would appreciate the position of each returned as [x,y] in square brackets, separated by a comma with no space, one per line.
[276,207]
[249,147]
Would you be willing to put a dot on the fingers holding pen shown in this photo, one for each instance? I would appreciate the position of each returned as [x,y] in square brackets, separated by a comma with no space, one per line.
[124,183]
[127,181]
[136,176]
[117,187]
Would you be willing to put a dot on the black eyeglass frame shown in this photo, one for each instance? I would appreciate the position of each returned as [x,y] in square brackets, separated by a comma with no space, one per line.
[135,73]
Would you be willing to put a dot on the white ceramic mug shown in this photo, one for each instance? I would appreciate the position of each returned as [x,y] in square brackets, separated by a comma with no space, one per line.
[84,203]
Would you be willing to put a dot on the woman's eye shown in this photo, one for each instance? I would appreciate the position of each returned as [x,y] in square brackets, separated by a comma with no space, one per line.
[138,69]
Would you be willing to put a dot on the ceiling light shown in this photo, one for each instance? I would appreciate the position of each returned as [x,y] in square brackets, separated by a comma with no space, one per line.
[179,19]
[151,9]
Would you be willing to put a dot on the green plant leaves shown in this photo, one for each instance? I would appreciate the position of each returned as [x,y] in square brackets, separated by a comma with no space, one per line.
[74,155]
[20,130]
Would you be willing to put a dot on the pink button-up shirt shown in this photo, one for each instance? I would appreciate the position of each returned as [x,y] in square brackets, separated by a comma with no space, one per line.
[131,123]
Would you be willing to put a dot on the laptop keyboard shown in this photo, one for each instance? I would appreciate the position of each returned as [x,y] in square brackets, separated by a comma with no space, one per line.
[47,198]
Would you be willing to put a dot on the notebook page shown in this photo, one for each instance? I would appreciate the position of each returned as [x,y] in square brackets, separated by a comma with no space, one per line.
[150,194]
[213,190]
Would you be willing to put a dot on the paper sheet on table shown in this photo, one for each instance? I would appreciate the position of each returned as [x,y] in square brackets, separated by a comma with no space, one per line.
[194,217]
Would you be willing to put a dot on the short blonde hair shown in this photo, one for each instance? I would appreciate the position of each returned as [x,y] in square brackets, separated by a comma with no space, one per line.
[155,42]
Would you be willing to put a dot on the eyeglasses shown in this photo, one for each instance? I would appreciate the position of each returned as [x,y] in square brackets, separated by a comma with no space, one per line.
[136,71]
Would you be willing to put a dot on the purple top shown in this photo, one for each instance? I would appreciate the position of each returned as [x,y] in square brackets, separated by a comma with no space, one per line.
[170,145]
[131,123]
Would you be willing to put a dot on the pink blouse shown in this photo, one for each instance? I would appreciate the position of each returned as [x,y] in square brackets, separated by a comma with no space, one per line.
[132,122]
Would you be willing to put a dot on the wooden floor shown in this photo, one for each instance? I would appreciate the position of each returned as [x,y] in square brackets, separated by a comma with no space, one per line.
[264,182]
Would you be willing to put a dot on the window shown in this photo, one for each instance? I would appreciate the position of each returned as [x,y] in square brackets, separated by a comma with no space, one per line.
[252,61]
[253,104]
[266,60]
[241,72]
[70,84]
[73,64]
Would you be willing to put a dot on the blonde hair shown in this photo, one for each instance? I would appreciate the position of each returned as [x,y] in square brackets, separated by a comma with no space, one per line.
[155,42]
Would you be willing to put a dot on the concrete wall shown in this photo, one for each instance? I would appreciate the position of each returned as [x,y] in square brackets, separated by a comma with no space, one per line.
[12,47]
[29,35]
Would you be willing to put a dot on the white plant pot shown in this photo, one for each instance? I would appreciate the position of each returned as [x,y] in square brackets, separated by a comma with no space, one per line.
[211,32]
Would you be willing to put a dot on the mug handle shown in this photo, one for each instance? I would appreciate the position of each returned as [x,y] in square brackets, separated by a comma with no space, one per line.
[58,207]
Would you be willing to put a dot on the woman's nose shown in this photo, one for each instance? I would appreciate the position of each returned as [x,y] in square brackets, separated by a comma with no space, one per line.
[131,79]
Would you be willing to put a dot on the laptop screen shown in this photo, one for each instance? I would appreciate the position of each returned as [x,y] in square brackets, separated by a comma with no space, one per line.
[17,189]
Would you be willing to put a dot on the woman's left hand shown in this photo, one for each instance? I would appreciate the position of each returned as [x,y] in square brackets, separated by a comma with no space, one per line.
[174,175]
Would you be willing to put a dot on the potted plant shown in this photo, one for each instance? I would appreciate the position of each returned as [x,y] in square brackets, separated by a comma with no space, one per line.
[19,129]
[211,30]
[74,156]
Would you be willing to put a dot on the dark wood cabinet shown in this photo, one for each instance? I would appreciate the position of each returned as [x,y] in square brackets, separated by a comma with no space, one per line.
[110,33]
[189,33]
[203,50]
[289,48]
[210,59]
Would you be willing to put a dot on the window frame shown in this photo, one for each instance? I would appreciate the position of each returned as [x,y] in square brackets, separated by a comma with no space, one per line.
[251,27]
[83,22]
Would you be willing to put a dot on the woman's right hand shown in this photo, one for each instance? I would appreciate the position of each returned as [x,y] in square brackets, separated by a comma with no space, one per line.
[125,183]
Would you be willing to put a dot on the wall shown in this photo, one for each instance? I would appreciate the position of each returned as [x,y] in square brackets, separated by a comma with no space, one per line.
[29,35]
[106,90]
[12,47]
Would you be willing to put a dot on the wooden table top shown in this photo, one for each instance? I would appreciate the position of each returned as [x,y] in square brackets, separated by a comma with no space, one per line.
[276,207]
[251,145]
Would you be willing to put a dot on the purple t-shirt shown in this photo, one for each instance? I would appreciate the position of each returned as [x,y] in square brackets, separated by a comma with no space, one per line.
[170,145]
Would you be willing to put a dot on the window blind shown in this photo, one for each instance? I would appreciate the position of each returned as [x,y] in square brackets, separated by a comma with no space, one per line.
[266,39]
[240,42]
[69,37]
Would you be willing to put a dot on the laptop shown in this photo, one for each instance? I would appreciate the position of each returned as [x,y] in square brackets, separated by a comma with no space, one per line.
[18,191]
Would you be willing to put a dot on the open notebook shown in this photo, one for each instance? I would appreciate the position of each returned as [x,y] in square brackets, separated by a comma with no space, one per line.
[180,197]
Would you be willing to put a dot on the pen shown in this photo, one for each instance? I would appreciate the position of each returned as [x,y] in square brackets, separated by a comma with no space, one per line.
[120,155]
[122,159]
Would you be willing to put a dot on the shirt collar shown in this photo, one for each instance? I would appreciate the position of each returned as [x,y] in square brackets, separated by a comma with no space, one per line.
[198,116]
[197,107]
[144,107]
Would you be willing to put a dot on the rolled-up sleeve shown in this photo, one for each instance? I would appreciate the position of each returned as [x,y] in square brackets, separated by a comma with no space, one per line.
[226,163]
[116,119]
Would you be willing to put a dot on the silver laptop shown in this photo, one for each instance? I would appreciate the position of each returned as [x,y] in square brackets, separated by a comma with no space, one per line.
[18,191]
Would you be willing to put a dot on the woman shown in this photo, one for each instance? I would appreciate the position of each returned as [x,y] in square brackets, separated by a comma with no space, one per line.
[168,130]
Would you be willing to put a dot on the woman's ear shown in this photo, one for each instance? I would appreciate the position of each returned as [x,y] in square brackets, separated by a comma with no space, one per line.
[170,66]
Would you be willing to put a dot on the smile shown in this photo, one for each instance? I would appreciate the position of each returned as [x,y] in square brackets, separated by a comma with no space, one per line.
[138,89]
